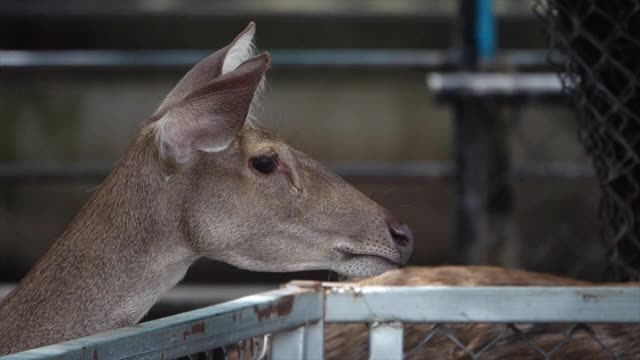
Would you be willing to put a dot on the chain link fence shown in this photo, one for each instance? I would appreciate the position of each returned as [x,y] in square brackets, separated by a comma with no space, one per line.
[599,44]
[498,341]
[524,341]
[466,341]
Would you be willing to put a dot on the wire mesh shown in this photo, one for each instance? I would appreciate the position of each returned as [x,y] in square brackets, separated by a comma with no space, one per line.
[600,48]
[467,341]
[496,341]
[530,341]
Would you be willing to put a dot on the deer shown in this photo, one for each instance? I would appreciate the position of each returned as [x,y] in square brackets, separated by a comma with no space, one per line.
[200,179]
[350,341]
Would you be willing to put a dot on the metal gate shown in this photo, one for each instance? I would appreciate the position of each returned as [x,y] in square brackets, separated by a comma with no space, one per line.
[289,323]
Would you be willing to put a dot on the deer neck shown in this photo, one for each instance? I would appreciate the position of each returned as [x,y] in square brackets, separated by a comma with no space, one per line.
[122,251]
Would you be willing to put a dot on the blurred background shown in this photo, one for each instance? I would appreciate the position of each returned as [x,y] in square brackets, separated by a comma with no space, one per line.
[487,168]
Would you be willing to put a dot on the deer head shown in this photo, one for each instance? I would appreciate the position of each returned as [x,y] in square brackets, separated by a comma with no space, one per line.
[201,179]
[248,198]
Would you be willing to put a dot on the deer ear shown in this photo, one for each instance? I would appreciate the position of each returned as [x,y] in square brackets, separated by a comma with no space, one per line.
[207,115]
[209,118]
[228,58]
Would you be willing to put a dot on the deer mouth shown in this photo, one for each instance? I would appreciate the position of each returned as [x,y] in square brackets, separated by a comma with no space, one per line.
[349,255]
[362,265]
[353,262]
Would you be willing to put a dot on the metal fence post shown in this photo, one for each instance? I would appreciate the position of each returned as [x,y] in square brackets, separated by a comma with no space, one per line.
[305,342]
[483,189]
[314,340]
[288,344]
[385,341]
[468,142]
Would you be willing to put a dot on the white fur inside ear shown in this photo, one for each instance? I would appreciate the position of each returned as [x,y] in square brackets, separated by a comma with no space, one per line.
[241,51]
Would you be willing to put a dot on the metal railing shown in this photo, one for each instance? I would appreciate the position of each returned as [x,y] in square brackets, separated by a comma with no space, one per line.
[371,170]
[248,8]
[289,323]
[282,59]
[496,85]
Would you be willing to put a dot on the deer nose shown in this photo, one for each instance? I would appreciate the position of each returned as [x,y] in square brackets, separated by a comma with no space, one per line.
[400,233]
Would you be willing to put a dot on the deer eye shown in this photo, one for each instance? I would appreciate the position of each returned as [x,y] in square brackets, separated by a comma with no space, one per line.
[265,163]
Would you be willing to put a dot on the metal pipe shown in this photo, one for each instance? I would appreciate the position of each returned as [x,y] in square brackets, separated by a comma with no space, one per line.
[322,58]
[72,59]
[495,85]
[97,171]
[469,143]
[385,340]
[374,9]
[193,296]
[426,170]
[483,304]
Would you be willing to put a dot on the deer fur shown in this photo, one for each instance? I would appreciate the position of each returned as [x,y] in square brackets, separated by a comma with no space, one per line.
[350,341]
[184,189]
